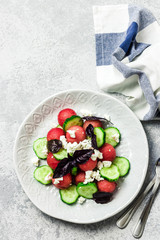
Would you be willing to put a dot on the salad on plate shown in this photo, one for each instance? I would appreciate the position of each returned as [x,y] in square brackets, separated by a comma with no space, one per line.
[81,158]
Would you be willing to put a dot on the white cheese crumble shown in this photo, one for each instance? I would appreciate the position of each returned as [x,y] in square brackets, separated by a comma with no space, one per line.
[45,150]
[107,163]
[96,154]
[72,147]
[107,117]
[57,180]
[86,144]
[96,175]
[116,137]
[64,141]
[85,112]
[81,200]
[48,177]
[102,164]
[36,161]
[90,176]
[72,133]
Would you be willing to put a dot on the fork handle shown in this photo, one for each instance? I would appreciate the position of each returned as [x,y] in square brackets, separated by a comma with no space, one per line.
[123,221]
[125,218]
[139,227]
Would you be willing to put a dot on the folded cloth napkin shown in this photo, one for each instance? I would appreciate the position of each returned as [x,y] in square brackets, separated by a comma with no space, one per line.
[127,56]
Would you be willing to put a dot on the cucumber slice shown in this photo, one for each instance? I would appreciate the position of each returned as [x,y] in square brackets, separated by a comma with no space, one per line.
[72,121]
[69,195]
[59,126]
[100,136]
[111,133]
[62,153]
[87,190]
[74,171]
[111,174]
[40,173]
[123,165]
[40,147]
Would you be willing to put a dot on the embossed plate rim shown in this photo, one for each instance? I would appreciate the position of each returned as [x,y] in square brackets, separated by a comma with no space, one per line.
[144,170]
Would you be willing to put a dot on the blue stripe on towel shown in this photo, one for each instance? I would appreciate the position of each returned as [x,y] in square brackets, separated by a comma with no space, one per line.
[106,44]
[130,37]
[130,46]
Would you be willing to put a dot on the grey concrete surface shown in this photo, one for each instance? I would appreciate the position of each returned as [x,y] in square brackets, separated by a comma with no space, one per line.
[47,46]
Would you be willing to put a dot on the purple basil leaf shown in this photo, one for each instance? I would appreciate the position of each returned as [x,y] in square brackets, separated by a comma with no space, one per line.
[96,118]
[90,130]
[73,180]
[82,156]
[90,133]
[64,167]
[94,142]
[102,197]
[70,157]
[54,145]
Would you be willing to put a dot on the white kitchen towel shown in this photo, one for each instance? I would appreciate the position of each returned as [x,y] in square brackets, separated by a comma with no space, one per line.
[128,56]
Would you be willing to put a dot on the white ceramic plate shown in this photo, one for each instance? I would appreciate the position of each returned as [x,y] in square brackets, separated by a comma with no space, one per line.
[133,145]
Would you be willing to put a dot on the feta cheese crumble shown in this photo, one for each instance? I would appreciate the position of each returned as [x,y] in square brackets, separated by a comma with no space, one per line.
[86,144]
[64,141]
[81,200]
[107,163]
[72,147]
[72,133]
[57,180]
[102,164]
[90,176]
[96,175]
[48,177]
[36,161]
[45,150]
[116,137]
[96,154]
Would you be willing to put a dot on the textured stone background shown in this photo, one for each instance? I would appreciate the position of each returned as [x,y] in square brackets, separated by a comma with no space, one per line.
[47,46]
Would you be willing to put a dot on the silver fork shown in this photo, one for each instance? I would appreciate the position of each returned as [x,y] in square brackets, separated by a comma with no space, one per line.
[123,220]
[140,225]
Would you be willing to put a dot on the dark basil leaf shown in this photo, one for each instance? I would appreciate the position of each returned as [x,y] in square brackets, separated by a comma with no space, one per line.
[94,142]
[70,157]
[90,133]
[102,197]
[54,145]
[64,167]
[90,130]
[73,180]
[82,156]
[96,118]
